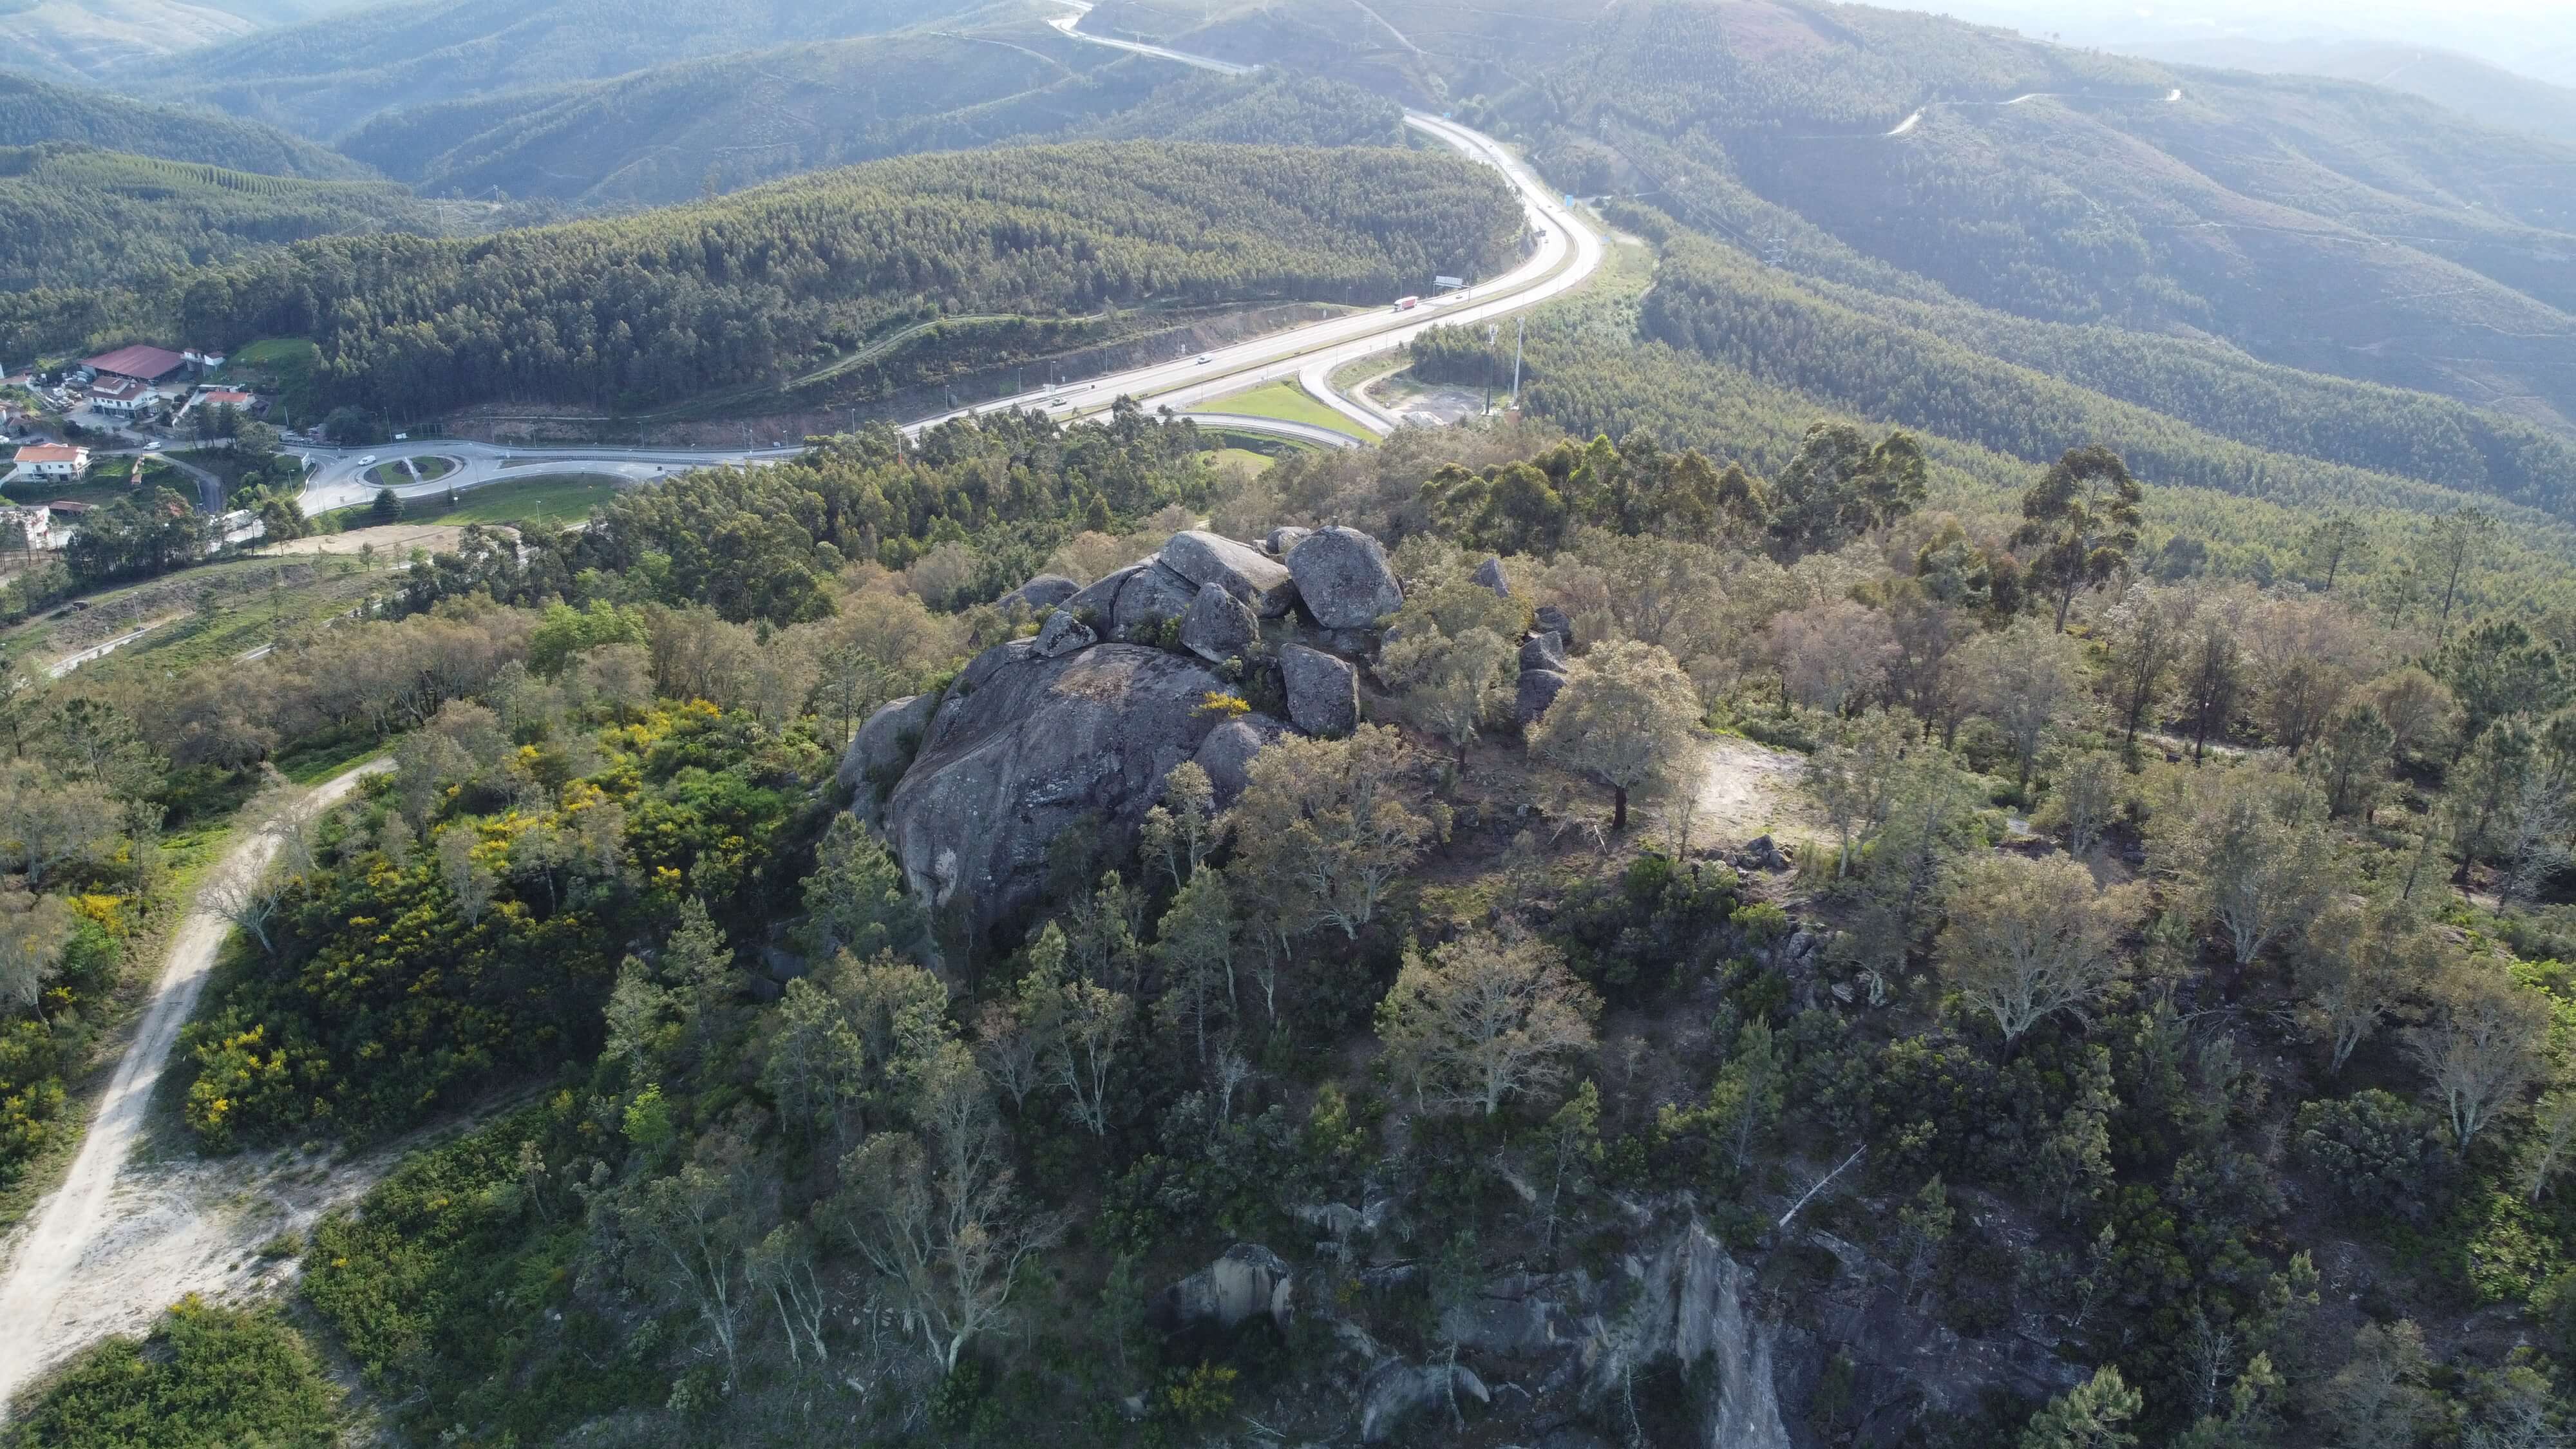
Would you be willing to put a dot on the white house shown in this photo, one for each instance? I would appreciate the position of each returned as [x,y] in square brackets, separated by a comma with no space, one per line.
[49,460]
[120,395]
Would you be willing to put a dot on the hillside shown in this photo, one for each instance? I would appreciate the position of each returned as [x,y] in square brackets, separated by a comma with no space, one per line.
[33,112]
[325,76]
[2487,94]
[2319,224]
[76,216]
[677,131]
[656,307]
[82,39]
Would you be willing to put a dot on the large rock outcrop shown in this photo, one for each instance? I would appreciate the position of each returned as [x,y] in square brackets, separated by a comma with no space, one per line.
[1023,749]
[1044,592]
[1344,578]
[1218,626]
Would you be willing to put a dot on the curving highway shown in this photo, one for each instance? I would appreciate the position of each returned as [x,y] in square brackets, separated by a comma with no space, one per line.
[1565,252]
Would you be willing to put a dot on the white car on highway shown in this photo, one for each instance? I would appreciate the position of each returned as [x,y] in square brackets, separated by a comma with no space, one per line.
[367,461]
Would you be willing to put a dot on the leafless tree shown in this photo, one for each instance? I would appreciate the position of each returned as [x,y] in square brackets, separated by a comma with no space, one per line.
[1481,1020]
[2483,1047]
[2030,938]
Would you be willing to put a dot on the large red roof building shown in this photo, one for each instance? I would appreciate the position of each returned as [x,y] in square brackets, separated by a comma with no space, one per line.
[143,364]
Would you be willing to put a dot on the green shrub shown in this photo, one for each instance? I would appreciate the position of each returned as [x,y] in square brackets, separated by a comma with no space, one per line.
[2377,1155]
[213,1377]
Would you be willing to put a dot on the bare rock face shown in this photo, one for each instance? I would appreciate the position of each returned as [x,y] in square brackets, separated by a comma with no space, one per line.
[1344,578]
[1226,754]
[1537,691]
[876,759]
[1490,574]
[1285,538]
[1323,692]
[1248,1279]
[1396,1391]
[1062,634]
[1552,620]
[1024,748]
[1218,627]
[1261,582]
[1046,591]
[1690,1304]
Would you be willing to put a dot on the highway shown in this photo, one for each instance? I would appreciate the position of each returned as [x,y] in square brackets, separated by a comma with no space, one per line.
[1566,251]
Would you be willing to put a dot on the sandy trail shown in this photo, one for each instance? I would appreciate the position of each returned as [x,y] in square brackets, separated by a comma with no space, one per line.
[67,1229]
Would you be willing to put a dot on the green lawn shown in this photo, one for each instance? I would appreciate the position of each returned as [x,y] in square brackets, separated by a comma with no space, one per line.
[559,501]
[1250,459]
[1289,403]
[422,470]
[285,366]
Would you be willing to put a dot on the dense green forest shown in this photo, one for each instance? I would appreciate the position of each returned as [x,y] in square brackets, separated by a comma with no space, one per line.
[2317,224]
[33,112]
[2263,1148]
[76,216]
[628,312]
[674,132]
[323,76]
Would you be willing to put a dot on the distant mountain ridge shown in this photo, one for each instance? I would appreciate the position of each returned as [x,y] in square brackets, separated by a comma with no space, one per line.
[323,77]
[33,112]
[2484,93]
[677,131]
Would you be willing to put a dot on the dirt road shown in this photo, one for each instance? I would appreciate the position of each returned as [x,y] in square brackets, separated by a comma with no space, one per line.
[65,1230]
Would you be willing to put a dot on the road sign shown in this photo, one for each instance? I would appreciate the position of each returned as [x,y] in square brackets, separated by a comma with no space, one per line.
[1448,284]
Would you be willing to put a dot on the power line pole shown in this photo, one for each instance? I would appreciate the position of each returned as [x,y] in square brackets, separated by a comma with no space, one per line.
[1520,334]
[1493,339]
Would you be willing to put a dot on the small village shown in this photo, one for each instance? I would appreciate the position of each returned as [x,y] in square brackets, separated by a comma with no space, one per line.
[89,431]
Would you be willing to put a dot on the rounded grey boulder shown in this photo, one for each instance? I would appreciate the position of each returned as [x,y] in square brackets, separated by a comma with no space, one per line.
[1537,691]
[1285,538]
[1226,754]
[1323,692]
[1490,574]
[1046,591]
[1150,598]
[1217,627]
[1343,576]
[1241,570]
[1543,650]
[1062,634]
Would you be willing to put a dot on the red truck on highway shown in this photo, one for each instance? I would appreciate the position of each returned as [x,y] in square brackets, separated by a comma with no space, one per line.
[1407,304]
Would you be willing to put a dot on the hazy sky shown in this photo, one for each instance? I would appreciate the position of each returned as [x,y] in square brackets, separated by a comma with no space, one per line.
[2535,37]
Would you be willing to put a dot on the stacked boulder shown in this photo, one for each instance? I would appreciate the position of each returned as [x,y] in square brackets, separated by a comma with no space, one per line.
[1076,728]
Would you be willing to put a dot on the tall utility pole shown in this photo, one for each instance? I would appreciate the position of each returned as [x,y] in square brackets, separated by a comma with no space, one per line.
[1520,334]
[1493,339]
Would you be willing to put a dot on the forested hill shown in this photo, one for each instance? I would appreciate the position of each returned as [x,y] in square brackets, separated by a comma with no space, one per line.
[322,77]
[78,216]
[674,132]
[648,308]
[2321,224]
[33,111]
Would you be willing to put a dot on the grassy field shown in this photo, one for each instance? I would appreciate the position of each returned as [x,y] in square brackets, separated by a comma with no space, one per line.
[284,366]
[1289,403]
[558,501]
[1245,456]
[422,470]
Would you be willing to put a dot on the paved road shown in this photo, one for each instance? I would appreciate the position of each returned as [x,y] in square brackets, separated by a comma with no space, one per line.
[340,480]
[1567,252]
[65,1230]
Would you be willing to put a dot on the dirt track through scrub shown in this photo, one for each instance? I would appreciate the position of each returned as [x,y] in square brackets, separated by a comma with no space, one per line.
[62,1248]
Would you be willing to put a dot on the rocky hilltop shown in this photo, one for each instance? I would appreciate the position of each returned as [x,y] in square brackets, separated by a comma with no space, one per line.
[1208,650]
